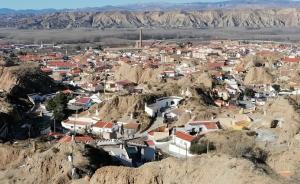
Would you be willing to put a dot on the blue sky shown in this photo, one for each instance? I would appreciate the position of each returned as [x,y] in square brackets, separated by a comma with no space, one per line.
[59,4]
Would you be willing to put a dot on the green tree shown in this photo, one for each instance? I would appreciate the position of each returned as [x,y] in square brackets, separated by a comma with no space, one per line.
[249,92]
[276,87]
[58,105]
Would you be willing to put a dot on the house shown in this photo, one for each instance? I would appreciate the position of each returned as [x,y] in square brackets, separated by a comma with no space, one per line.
[119,154]
[291,60]
[129,129]
[80,123]
[148,153]
[60,66]
[221,103]
[110,86]
[174,114]
[77,126]
[168,74]
[125,85]
[162,104]
[107,129]
[92,86]
[181,143]
[202,126]
[96,98]
[84,102]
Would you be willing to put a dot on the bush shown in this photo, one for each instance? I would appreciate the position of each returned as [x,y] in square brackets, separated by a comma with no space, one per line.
[200,148]
[276,87]
[249,92]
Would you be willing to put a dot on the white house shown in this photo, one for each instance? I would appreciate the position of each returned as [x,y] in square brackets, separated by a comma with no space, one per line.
[168,74]
[96,98]
[202,126]
[110,86]
[101,127]
[162,104]
[182,142]
[81,124]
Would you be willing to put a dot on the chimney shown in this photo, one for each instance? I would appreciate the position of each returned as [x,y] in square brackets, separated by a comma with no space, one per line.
[141,38]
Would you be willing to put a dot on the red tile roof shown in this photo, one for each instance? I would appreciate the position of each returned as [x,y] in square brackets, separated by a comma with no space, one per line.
[184,136]
[83,100]
[101,124]
[291,60]
[216,65]
[131,126]
[61,64]
[83,138]
[208,124]
[30,57]
[55,134]
[47,70]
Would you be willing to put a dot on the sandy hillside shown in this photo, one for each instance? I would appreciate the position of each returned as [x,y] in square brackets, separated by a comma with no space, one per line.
[136,73]
[258,75]
[200,169]
[51,166]
[197,79]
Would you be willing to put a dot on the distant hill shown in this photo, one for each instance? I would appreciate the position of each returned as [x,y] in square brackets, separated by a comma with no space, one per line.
[242,18]
[230,4]
[236,13]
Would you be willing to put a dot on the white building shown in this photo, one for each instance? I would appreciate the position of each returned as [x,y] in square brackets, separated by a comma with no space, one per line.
[162,104]
[202,126]
[102,127]
[181,143]
[80,124]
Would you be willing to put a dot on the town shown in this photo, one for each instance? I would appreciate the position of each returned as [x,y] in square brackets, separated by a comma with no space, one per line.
[158,99]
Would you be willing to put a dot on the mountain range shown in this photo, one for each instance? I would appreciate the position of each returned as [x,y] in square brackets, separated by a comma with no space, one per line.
[163,6]
[235,13]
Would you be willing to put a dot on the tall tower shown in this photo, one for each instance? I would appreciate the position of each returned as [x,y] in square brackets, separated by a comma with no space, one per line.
[141,38]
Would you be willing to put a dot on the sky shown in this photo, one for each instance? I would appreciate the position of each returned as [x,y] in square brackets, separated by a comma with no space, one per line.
[71,4]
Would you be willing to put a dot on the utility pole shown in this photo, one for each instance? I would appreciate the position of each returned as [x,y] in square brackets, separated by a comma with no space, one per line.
[54,124]
[73,144]
[207,147]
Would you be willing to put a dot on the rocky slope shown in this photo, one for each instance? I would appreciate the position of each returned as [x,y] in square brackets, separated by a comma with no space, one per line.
[24,79]
[247,18]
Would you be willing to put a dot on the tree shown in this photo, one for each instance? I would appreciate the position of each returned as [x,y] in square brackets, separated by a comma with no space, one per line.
[276,87]
[249,92]
[58,105]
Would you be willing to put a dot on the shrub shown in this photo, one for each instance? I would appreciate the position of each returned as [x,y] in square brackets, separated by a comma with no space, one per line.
[200,148]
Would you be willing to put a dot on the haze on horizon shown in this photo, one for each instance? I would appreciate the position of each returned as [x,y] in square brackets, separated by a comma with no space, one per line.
[73,4]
